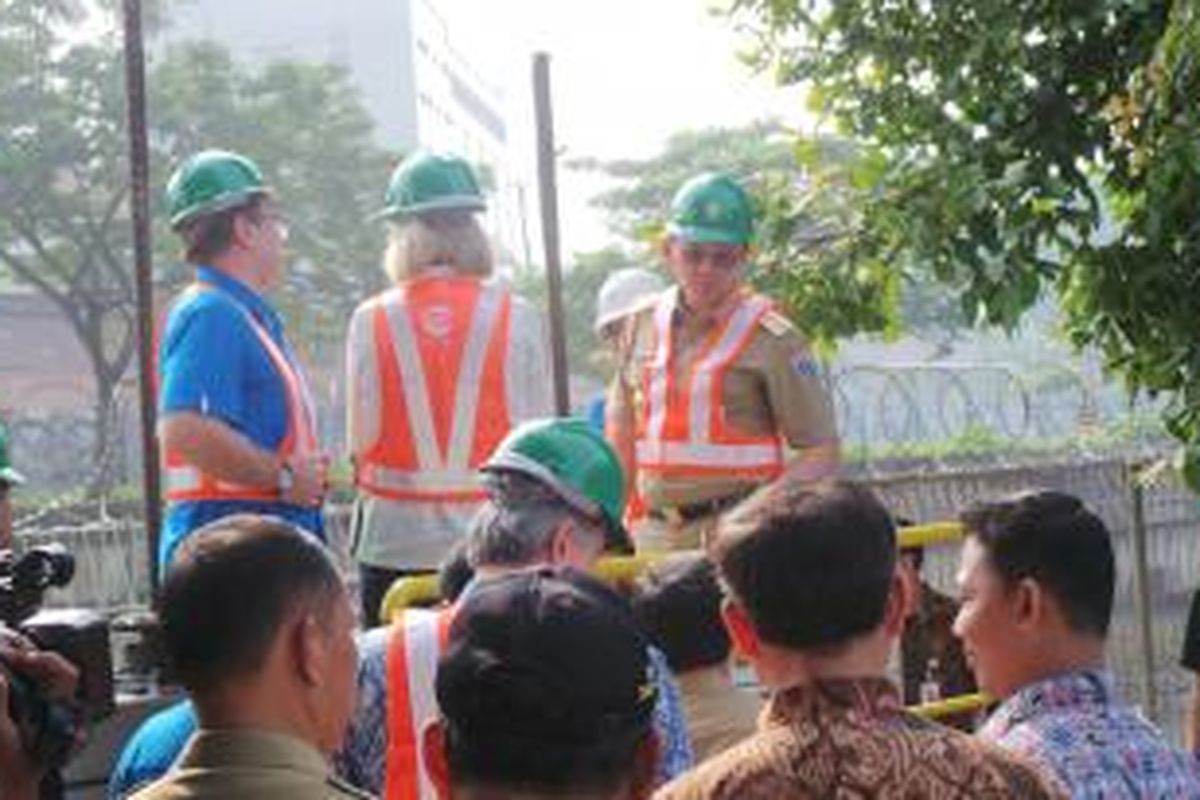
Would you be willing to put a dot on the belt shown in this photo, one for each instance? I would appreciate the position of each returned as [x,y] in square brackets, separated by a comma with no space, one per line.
[683,515]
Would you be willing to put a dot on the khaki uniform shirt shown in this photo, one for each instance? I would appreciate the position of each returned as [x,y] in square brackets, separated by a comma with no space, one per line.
[852,738]
[774,386]
[246,765]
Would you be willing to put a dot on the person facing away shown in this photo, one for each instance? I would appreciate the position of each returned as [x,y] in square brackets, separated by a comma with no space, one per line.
[1037,577]
[678,602]
[237,422]
[259,629]
[545,691]
[815,602]
[439,367]
[715,392]
[556,497]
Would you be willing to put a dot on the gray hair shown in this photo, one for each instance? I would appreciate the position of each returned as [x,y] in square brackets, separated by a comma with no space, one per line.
[452,239]
[515,527]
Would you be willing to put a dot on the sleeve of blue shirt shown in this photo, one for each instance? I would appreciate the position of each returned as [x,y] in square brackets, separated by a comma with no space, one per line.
[670,722]
[152,749]
[203,357]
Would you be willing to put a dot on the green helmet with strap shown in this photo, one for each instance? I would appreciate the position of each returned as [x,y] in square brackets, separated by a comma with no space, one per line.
[209,182]
[712,208]
[574,460]
[8,475]
[425,182]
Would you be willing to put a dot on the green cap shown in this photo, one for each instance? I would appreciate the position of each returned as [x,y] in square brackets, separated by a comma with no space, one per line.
[8,475]
[426,182]
[712,207]
[574,460]
[209,182]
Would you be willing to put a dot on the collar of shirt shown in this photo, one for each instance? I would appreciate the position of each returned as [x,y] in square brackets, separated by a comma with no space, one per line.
[841,697]
[257,748]
[246,297]
[1067,691]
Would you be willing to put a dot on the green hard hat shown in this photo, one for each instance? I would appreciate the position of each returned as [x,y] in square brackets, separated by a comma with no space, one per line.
[712,207]
[8,475]
[211,181]
[426,182]
[574,460]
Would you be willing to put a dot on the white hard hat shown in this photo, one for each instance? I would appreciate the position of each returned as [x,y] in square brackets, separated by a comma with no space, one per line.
[621,292]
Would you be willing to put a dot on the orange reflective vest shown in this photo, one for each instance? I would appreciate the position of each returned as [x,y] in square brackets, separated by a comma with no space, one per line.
[185,481]
[682,429]
[417,640]
[440,348]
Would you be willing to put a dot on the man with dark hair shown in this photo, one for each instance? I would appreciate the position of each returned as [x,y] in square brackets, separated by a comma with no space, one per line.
[555,497]
[545,691]
[237,423]
[678,602]
[816,602]
[1037,578]
[259,629]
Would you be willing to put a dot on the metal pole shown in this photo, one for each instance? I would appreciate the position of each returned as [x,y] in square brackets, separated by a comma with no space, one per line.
[1141,588]
[548,189]
[139,199]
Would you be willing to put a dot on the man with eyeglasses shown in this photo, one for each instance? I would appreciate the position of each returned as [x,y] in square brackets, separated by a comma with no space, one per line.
[716,391]
[237,425]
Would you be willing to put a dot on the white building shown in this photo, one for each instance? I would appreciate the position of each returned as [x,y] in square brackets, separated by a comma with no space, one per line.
[420,90]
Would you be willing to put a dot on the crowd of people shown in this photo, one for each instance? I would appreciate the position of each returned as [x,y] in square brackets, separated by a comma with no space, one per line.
[751,660]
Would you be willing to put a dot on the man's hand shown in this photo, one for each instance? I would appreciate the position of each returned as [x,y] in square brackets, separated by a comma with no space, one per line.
[310,480]
[19,776]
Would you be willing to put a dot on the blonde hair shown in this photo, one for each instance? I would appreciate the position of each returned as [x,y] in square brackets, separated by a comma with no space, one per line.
[449,239]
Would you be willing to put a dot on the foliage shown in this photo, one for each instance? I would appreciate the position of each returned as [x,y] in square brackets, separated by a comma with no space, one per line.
[1020,146]
[64,219]
[810,191]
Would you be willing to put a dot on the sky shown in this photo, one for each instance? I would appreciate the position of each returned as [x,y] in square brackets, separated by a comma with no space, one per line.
[625,74]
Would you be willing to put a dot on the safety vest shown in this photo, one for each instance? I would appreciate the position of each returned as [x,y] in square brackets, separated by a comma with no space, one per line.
[185,481]
[682,428]
[416,641]
[441,345]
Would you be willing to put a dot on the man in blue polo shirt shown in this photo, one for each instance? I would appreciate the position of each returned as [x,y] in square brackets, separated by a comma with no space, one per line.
[237,429]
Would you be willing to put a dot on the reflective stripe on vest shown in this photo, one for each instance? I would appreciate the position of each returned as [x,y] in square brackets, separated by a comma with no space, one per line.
[415,642]
[184,481]
[415,457]
[683,429]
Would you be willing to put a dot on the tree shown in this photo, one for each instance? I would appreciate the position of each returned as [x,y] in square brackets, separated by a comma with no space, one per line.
[1023,146]
[64,221]
[809,191]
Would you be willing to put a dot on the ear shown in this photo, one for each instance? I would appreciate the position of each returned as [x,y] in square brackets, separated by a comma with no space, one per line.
[1030,603]
[901,601]
[741,630]
[433,751]
[561,544]
[310,649]
[243,229]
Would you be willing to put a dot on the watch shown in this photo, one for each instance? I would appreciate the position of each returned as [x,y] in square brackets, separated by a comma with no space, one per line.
[287,479]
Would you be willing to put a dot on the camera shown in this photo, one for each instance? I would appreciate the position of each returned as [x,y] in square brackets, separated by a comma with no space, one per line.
[48,727]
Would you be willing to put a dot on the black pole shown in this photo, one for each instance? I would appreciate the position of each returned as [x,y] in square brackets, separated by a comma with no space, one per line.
[139,200]
[548,191]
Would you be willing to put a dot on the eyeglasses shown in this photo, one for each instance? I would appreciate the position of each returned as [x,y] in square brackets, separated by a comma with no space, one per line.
[723,258]
[276,216]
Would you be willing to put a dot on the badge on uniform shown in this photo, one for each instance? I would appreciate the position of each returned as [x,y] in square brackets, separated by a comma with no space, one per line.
[806,366]
[438,321]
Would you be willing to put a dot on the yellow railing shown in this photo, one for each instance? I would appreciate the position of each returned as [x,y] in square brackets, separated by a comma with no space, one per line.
[417,590]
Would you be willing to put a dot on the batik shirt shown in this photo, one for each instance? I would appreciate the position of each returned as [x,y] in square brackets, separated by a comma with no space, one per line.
[852,738]
[1074,725]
